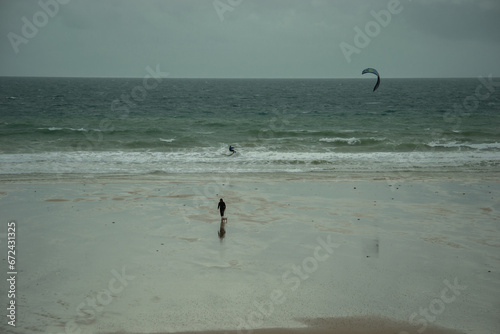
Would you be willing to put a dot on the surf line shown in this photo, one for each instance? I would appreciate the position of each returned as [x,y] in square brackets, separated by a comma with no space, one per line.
[255,319]
[138,93]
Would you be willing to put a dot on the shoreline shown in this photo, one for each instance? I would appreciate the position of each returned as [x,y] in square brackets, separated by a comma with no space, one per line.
[342,325]
[323,176]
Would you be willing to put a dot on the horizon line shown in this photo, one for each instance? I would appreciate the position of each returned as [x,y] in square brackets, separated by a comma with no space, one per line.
[224,78]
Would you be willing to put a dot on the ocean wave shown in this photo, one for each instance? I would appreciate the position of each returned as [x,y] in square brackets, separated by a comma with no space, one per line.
[350,141]
[459,145]
[303,133]
[353,140]
[257,161]
[53,128]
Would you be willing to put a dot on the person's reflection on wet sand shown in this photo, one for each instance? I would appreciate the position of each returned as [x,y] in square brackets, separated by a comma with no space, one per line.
[222,230]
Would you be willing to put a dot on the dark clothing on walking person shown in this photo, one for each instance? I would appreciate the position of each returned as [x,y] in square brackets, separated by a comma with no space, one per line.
[221,207]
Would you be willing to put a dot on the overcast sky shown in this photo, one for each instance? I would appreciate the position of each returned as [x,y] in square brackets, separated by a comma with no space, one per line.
[250,38]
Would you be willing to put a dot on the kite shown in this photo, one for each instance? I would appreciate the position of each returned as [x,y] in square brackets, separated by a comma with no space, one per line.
[373,71]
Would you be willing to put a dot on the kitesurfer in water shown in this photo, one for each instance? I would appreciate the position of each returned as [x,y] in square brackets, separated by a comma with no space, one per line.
[231,149]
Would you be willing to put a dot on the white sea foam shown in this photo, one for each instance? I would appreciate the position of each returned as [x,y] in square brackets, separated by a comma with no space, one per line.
[256,161]
[350,141]
[54,128]
[456,144]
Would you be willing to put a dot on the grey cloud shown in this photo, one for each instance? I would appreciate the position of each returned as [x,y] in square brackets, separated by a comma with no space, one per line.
[462,20]
[263,38]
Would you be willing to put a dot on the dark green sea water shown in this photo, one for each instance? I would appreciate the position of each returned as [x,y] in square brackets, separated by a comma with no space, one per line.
[107,126]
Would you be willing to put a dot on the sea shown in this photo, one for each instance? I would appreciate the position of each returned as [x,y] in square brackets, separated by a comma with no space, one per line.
[167,126]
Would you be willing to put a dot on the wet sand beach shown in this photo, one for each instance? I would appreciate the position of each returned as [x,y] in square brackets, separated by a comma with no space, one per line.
[312,253]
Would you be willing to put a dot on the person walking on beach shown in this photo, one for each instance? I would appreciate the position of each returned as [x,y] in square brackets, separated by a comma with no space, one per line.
[221,207]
